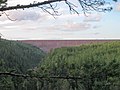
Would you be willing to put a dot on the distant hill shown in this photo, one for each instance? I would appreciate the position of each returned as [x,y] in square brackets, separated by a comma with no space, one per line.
[19,56]
[47,45]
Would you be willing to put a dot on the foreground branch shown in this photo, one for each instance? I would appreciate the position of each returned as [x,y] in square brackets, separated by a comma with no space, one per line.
[86,5]
[39,77]
[29,6]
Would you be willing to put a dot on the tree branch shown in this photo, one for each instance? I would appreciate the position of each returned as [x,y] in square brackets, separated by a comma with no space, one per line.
[39,77]
[29,6]
[86,5]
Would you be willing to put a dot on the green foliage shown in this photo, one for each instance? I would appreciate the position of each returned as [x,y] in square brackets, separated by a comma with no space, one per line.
[98,65]
[16,57]
[3,3]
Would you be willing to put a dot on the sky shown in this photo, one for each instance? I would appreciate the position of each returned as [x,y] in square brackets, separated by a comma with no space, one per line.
[34,24]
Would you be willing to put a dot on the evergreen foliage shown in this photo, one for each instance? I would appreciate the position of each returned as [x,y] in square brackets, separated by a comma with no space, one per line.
[16,57]
[19,57]
[98,65]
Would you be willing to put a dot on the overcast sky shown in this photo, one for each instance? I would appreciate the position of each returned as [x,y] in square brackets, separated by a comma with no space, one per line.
[35,24]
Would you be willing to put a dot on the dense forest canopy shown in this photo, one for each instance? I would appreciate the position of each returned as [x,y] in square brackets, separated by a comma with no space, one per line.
[86,67]
[98,66]
[16,55]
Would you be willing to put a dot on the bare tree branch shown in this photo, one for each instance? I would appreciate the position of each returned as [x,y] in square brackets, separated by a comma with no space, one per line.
[29,6]
[71,7]
[39,77]
[8,16]
[86,5]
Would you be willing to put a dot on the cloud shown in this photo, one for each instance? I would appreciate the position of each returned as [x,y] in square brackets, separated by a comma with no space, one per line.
[71,26]
[22,2]
[24,15]
[70,16]
[96,26]
[96,33]
[76,26]
[93,18]
[118,7]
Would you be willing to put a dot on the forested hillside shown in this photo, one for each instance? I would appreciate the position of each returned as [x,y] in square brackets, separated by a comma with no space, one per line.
[84,67]
[18,56]
[96,65]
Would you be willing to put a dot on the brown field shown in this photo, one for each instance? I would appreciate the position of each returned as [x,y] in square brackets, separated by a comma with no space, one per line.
[47,45]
